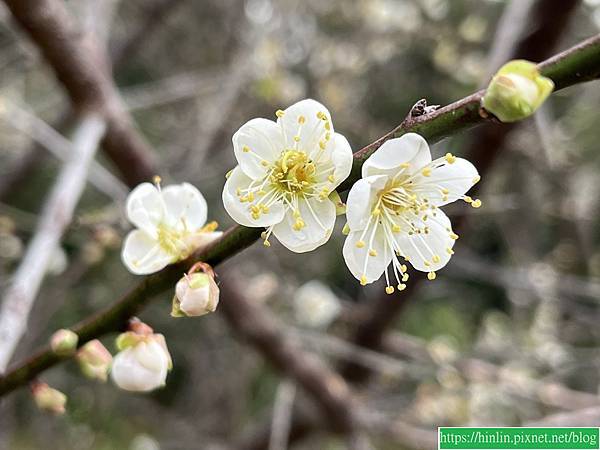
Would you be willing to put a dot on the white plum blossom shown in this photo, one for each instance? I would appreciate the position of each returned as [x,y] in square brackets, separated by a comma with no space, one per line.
[393,211]
[315,305]
[171,224]
[142,363]
[286,172]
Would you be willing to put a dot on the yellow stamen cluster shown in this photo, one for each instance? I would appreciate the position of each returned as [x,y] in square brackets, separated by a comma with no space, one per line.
[298,174]
[402,207]
[475,203]
[209,227]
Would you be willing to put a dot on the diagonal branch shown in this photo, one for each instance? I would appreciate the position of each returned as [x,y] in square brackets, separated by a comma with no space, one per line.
[81,65]
[579,63]
[261,329]
[47,137]
[55,218]
[324,386]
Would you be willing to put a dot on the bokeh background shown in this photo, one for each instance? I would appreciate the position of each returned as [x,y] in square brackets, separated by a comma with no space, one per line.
[506,335]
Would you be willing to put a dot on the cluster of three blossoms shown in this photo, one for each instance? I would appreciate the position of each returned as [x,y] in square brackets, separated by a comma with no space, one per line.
[285,182]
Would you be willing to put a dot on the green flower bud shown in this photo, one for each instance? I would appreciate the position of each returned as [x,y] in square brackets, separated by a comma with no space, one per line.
[516,91]
[64,342]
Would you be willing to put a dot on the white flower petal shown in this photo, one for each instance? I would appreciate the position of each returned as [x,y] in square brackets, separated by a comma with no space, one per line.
[311,131]
[447,182]
[184,205]
[421,247]
[130,374]
[317,230]
[409,148]
[256,141]
[201,239]
[360,200]
[142,255]
[240,212]
[145,207]
[151,355]
[341,157]
[360,262]
[160,340]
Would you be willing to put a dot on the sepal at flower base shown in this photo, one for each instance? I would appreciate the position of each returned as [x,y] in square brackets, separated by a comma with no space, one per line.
[340,206]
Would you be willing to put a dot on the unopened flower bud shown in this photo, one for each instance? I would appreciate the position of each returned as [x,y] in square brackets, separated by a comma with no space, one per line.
[48,399]
[195,295]
[138,327]
[64,342]
[516,91]
[94,360]
[142,363]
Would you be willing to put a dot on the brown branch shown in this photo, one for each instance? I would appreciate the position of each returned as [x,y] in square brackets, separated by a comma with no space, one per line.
[325,387]
[80,64]
[156,15]
[260,328]
[54,219]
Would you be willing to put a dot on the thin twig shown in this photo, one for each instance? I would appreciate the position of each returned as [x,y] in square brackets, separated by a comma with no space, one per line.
[55,217]
[156,14]
[59,146]
[82,67]
[325,387]
[282,414]
[262,330]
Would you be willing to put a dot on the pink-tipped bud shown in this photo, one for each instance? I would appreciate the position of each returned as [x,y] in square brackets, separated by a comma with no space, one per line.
[64,342]
[139,327]
[48,399]
[94,360]
[142,363]
[196,294]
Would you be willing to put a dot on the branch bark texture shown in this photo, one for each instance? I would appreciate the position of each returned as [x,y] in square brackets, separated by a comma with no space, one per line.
[55,218]
[81,66]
